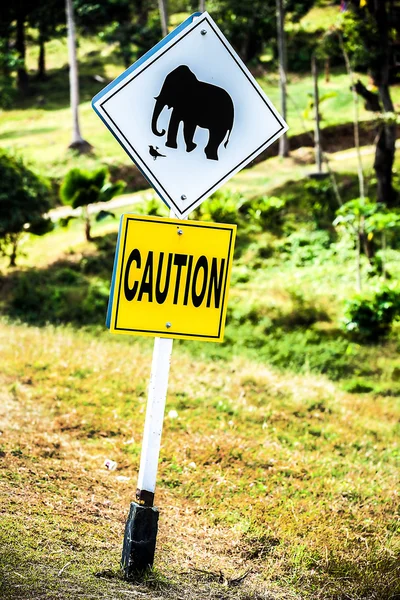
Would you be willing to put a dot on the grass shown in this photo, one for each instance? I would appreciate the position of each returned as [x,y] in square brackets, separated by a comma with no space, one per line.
[287,476]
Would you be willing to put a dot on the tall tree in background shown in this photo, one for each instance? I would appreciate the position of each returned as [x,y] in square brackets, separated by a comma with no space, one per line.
[251,27]
[77,143]
[134,25]
[46,18]
[282,58]
[371,28]
[19,12]
[162,5]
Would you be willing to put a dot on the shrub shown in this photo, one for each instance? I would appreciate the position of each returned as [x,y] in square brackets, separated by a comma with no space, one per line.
[266,211]
[222,207]
[370,316]
[81,188]
[24,199]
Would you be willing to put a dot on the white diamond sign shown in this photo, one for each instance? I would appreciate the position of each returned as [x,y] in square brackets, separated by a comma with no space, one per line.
[189,114]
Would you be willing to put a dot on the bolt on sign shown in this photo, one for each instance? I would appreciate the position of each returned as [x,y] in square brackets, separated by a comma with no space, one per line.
[189,114]
[171,278]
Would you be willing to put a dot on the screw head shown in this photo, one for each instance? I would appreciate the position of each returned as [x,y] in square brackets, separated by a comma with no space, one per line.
[183,197]
[168,325]
[203,32]
[180,232]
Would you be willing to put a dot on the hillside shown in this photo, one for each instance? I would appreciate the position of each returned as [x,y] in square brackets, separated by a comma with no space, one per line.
[278,471]
[285,478]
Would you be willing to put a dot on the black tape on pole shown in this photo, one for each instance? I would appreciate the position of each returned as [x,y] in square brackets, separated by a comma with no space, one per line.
[139,540]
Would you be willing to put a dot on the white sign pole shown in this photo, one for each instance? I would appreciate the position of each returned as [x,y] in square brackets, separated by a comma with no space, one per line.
[154,420]
[142,523]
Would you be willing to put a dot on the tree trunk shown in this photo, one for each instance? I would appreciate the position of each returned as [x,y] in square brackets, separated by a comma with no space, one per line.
[162,5]
[360,171]
[6,49]
[327,70]
[77,143]
[383,165]
[42,57]
[386,145]
[317,136]
[22,75]
[358,257]
[280,19]
[88,234]
[14,249]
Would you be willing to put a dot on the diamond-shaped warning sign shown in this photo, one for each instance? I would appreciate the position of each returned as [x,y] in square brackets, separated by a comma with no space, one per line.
[189,114]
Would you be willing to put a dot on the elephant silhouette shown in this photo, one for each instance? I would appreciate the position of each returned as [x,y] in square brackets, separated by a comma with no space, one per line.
[195,104]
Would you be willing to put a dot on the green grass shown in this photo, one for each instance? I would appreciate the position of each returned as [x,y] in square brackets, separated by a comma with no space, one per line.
[286,476]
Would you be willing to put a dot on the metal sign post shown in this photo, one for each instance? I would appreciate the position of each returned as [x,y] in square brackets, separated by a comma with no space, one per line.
[142,524]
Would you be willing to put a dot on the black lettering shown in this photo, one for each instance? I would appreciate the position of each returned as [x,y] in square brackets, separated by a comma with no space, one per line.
[161,295]
[215,282]
[130,293]
[197,299]
[146,287]
[180,261]
[188,276]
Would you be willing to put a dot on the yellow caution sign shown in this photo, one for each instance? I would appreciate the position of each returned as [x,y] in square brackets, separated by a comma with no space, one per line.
[171,278]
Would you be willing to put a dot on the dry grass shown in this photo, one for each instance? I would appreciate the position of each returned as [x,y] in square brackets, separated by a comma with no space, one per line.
[285,476]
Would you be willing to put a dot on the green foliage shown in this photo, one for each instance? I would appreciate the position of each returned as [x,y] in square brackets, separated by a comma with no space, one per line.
[133,26]
[361,39]
[266,211]
[382,221]
[251,27]
[9,62]
[24,199]
[304,247]
[370,316]
[81,188]
[308,112]
[222,207]
[59,297]
[354,213]
[153,207]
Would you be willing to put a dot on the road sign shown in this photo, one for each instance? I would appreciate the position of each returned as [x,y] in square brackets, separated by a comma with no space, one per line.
[171,278]
[189,114]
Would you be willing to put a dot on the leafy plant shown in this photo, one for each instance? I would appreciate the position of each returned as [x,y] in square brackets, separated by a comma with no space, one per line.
[24,200]
[352,216]
[382,222]
[370,316]
[265,211]
[222,207]
[81,188]
[308,112]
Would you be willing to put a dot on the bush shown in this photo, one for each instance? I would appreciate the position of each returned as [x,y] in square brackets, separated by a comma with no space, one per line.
[222,207]
[370,316]
[266,211]
[24,199]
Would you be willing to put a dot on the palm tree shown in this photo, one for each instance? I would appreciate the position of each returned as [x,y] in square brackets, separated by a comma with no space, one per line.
[81,188]
[78,143]
[280,17]
[162,6]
